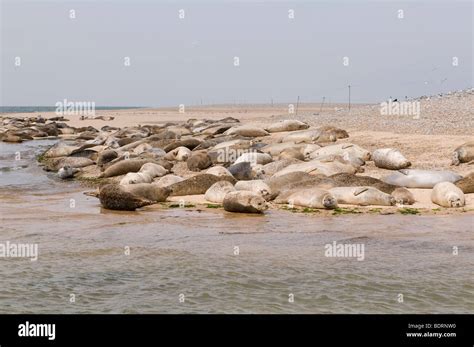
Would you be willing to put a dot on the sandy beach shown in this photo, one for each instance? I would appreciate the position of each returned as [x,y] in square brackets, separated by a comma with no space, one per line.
[445,123]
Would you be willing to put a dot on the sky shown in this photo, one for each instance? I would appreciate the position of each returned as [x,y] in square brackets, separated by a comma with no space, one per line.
[141,53]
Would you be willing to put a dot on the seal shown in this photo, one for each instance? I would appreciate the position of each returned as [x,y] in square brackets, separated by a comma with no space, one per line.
[463,154]
[199,161]
[411,178]
[198,184]
[136,177]
[106,156]
[278,183]
[256,186]
[123,167]
[362,196]
[246,130]
[59,150]
[446,194]
[401,195]
[347,158]
[292,153]
[341,149]
[254,158]
[218,191]
[389,158]
[153,170]
[244,202]
[242,171]
[340,133]
[54,164]
[67,172]
[218,171]
[131,197]
[271,168]
[314,167]
[308,149]
[286,125]
[466,184]
[309,136]
[179,153]
[168,180]
[275,149]
[312,198]
[189,143]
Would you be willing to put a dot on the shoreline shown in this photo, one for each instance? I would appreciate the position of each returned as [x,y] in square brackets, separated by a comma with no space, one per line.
[424,150]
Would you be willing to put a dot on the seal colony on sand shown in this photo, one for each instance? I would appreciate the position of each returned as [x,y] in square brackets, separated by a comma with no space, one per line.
[245,167]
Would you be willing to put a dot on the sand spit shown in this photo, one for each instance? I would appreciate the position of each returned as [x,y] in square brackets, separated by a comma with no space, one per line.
[283,156]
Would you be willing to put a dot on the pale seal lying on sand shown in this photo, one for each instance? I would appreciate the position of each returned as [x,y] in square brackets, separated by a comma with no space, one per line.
[54,164]
[340,133]
[464,153]
[362,196]
[287,125]
[291,153]
[59,150]
[308,149]
[190,143]
[401,195]
[154,170]
[123,167]
[278,183]
[218,171]
[389,158]
[199,161]
[67,172]
[246,130]
[447,194]
[411,178]
[244,202]
[168,180]
[314,167]
[340,149]
[131,197]
[256,186]
[254,158]
[271,168]
[218,191]
[309,136]
[466,184]
[276,148]
[142,148]
[198,184]
[135,178]
[312,197]
[180,154]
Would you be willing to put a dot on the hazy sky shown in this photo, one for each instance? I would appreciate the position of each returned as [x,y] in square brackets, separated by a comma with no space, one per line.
[181,61]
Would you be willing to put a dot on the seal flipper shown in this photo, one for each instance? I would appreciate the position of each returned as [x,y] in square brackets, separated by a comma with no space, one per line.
[404,171]
[360,190]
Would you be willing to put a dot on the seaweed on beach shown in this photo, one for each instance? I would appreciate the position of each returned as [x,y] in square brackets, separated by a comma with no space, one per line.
[344,210]
[181,206]
[408,210]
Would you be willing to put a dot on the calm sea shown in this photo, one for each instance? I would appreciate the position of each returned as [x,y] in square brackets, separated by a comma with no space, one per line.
[31,109]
